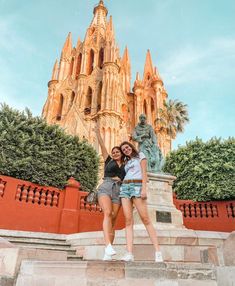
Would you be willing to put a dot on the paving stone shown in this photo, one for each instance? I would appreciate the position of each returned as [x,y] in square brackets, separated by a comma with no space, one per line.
[6,281]
[105,270]
[229,250]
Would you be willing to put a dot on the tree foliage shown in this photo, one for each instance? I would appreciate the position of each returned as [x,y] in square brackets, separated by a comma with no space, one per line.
[172,118]
[30,149]
[204,171]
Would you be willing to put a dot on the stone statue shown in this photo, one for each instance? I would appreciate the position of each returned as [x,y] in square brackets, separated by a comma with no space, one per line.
[145,136]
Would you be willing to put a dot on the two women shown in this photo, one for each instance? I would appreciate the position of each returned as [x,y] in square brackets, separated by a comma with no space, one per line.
[133,176]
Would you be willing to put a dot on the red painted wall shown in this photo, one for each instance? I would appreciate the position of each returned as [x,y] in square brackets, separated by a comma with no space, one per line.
[212,216]
[30,207]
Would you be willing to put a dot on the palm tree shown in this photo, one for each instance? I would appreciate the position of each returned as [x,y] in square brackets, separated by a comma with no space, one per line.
[172,118]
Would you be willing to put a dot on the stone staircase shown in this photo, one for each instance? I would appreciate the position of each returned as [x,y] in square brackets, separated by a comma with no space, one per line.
[98,273]
[51,243]
[41,259]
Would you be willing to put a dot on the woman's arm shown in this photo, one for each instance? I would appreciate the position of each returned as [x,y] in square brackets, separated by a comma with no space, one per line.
[143,164]
[101,142]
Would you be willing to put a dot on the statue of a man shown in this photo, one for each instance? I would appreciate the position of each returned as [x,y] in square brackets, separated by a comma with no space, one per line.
[145,136]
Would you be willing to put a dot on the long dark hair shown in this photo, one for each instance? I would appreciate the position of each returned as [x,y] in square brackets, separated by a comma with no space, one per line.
[134,153]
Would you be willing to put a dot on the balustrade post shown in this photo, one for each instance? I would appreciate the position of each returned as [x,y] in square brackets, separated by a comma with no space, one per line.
[70,211]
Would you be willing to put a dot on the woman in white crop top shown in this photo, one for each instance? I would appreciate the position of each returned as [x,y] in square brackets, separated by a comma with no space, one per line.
[133,192]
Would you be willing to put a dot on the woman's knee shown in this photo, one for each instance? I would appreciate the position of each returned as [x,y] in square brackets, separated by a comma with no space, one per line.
[146,220]
[108,214]
[129,221]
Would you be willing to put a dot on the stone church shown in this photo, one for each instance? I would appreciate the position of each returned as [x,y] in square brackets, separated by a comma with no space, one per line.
[91,85]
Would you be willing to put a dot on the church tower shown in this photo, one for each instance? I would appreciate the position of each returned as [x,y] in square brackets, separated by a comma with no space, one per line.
[91,85]
[149,96]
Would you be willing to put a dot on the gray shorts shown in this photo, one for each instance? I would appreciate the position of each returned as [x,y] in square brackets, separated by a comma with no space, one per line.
[110,188]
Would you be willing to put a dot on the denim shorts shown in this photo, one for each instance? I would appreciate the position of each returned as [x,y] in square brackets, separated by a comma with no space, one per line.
[131,190]
[110,188]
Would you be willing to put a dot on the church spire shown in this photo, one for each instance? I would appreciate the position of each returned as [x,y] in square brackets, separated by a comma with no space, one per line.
[55,71]
[126,60]
[100,6]
[67,49]
[148,68]
[100,13]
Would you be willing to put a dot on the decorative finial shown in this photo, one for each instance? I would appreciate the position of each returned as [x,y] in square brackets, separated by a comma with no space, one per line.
[102,6]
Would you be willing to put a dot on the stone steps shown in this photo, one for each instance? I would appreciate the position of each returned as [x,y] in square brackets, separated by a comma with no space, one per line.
[115,273]
[180,245]
[21,240]
[69,251]
[41,241]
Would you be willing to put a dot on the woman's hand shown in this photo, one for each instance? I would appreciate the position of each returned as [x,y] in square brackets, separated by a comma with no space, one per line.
[143,193]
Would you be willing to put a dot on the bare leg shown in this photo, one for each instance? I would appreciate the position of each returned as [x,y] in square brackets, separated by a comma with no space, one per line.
[116,208]
[128,213]
[141,207]
[106,205]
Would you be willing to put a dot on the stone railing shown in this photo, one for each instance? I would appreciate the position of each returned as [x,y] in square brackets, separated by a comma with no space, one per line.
[38,195]
[213,216]
[31,207]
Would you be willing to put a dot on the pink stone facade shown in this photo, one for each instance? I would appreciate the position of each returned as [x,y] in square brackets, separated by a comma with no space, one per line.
[91,85]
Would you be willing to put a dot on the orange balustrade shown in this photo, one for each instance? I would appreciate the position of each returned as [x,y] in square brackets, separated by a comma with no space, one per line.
[30,207]
[213,216]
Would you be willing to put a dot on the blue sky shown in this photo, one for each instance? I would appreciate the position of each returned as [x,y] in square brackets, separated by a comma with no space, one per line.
[192,43]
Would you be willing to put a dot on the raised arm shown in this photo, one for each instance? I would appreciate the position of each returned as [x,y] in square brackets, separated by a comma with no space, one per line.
[101,142]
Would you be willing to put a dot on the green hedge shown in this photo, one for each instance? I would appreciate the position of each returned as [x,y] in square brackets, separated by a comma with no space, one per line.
[204,171]
[32,150]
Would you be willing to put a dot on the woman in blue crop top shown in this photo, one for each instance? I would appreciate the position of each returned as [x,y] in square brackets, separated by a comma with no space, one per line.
[108,192]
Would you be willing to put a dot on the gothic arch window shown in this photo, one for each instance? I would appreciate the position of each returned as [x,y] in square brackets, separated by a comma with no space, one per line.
[71,67]
[145,108]
[60,107]
[71,100]
[148,76]
[87,109]
[153,110]
[101,58]
[90,62]
[79,64]
[99,96]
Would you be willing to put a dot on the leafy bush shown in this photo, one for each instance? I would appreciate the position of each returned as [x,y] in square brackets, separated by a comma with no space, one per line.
[204,171]
[32,150]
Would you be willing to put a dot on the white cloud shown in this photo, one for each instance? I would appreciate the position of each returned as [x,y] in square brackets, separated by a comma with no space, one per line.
[190,64]
[11,40]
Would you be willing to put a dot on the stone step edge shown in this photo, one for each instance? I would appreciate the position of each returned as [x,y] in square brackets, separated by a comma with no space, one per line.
[49,248]
[35,241]
[17,233]
[31,237]
[118,263]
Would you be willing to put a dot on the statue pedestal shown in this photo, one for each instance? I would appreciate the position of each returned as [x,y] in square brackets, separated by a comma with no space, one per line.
[161,208]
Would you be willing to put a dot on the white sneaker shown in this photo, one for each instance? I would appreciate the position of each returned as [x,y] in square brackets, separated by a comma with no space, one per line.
[107,257]
[158,256]
[128,257]
[109,250]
